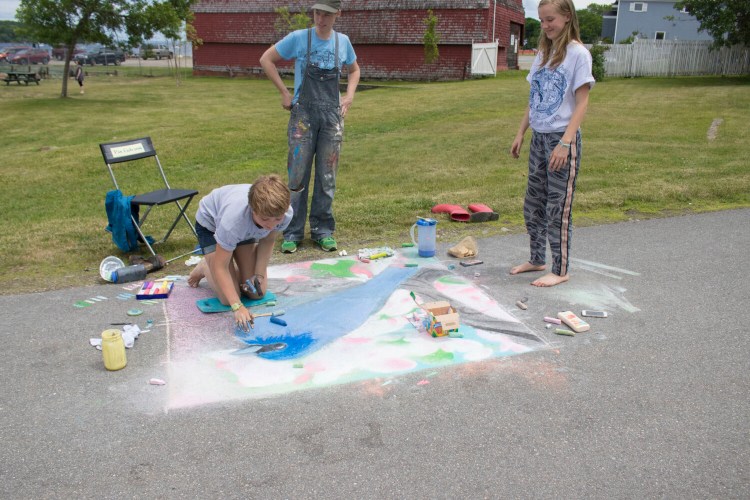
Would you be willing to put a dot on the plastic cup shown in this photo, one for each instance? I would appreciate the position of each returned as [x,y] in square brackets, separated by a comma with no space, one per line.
[108,266]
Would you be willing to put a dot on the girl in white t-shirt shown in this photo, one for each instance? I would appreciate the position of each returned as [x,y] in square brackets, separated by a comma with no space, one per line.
[560,80]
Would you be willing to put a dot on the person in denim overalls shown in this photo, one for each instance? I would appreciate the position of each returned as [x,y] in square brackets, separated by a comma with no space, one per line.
[316,124]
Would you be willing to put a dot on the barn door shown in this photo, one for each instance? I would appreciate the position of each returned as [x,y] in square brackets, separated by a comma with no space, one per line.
[512,52]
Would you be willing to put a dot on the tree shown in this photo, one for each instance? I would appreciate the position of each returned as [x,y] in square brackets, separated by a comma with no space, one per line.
[431,38]
[727,21]
[287,22]
[168,17]
[590,22]
[68,22]
[531,31]
[8,31]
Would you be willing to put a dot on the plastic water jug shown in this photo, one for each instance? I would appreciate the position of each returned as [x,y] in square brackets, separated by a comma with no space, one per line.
[425,241]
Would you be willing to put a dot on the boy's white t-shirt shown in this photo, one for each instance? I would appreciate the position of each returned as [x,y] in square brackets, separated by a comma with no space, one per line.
[226,212]
[552,96]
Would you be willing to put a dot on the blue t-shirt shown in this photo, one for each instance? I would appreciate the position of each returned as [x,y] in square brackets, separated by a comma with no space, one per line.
[226,212]
[552,97]
[294,46]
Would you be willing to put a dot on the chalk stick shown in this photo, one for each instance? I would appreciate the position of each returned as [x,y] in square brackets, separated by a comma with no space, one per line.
[521,305]
[563,331]
[278,321]
[407,245]
[278,312]
[552,320]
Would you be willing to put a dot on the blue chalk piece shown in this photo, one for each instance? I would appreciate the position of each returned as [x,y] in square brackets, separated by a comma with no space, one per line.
[278,321]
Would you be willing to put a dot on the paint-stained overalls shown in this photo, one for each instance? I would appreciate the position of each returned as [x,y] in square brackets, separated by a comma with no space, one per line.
[315,129]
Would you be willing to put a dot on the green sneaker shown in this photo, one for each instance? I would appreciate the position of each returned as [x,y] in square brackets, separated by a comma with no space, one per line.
[327,244]
[288,246]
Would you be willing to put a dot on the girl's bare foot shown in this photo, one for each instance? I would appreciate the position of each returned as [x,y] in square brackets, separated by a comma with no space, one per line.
[197,274]
[526,267]
[550,279]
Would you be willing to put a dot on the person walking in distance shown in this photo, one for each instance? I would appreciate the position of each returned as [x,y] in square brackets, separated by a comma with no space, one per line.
[79,75]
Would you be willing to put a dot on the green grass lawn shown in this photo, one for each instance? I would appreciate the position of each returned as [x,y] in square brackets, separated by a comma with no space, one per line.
[408,146]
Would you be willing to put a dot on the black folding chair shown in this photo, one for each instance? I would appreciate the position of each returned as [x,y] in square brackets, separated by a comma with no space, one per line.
[138,149]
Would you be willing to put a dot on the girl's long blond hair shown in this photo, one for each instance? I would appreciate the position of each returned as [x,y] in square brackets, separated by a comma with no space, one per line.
[554,51]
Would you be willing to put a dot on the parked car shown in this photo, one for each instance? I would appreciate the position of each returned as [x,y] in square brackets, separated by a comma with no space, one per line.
[109,55]
[60,51]
[30,56]
[7,52]
[103,56]
[155,52]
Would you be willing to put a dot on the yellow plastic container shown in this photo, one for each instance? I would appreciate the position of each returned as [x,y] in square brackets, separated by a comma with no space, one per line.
[113,350]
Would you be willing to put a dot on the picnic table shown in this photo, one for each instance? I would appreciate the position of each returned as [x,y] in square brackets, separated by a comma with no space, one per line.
[21,76]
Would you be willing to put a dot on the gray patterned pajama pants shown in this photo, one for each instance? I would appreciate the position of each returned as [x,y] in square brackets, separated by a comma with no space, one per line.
[547,208]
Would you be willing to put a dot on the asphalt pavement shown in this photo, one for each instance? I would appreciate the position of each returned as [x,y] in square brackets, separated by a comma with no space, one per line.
[652,403]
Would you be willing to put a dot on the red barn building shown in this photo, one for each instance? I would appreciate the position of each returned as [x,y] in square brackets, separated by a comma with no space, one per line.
[387,35]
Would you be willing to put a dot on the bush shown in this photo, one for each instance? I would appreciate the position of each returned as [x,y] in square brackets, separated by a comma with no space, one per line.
[597,61]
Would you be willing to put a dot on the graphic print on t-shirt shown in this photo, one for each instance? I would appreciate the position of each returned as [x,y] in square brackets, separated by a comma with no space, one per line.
[547,92]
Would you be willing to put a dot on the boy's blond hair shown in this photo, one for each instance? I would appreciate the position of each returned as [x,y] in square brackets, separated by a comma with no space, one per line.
[269,196]
[554,52]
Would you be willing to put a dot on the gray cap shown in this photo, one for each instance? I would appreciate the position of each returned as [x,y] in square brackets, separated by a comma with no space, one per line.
[328,5]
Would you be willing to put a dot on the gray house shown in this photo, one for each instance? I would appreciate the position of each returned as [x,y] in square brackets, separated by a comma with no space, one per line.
[652,20]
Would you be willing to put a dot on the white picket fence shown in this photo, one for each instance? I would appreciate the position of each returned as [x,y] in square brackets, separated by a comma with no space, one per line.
[675,58]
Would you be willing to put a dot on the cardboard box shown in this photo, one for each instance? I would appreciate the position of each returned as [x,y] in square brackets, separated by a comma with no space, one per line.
[443,318]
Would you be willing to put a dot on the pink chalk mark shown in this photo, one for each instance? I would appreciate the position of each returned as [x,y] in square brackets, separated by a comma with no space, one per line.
[355,340]
[315,367]
[397,364]
[359,269]
[297,278]
[423,382]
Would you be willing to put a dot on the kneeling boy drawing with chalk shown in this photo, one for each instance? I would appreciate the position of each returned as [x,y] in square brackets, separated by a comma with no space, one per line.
[237,226]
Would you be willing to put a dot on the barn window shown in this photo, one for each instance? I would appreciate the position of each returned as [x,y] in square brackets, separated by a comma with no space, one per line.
[660,35]
[638,7]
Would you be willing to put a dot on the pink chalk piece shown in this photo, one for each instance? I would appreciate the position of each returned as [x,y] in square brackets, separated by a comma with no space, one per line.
[552,320]
[423,382]
[157,381]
